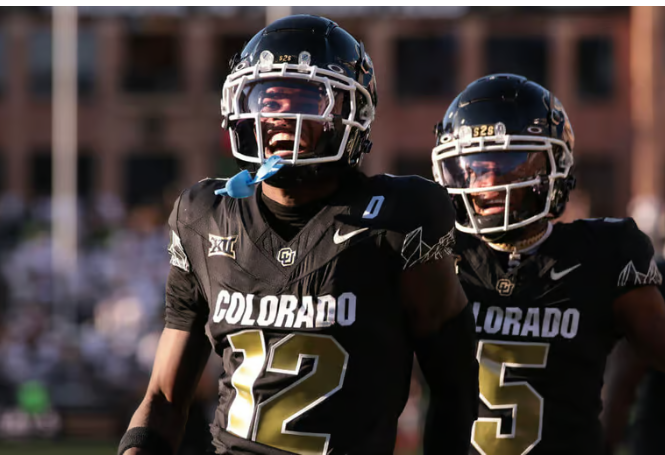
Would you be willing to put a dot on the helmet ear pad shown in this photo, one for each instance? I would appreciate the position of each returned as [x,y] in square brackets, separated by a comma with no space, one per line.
[561,195]
[245,134]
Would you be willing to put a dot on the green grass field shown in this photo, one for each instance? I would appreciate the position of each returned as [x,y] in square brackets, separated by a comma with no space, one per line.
[57,448]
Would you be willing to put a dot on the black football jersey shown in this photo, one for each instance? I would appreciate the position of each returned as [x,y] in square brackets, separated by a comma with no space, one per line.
[313,337]
[544,332]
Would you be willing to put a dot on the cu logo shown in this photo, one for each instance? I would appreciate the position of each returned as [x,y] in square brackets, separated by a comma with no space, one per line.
[286,256]
[505,287]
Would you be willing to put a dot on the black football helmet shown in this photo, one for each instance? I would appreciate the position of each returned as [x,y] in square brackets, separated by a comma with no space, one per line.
[504,150]
[303,89]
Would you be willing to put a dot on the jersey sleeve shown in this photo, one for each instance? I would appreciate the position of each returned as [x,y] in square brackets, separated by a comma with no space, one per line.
[186,306]
[427,228]
[632,264]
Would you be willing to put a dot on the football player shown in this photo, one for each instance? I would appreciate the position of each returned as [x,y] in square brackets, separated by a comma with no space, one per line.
[626,375]
[315,285]
[550,300]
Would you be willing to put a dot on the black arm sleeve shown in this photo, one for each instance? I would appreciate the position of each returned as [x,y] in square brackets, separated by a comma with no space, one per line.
[186,305]
[448,362]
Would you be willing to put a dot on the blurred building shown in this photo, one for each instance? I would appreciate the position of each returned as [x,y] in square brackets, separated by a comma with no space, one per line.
[150,81]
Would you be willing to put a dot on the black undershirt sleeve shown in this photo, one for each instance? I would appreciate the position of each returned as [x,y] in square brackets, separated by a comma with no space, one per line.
[186,307]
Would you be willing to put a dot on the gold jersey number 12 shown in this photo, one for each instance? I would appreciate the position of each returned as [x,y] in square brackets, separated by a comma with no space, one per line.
[274,414]
[524,401]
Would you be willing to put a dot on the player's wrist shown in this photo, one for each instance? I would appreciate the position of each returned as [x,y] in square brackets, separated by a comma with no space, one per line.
[143,441]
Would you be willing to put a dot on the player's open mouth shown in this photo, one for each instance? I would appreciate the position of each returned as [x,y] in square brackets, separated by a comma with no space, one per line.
[493,206]
[282,144]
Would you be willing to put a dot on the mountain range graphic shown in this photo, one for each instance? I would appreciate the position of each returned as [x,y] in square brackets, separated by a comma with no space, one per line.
[631,276]
[415,251]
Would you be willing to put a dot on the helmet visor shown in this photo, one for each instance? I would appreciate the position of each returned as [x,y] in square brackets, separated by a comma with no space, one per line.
[484,170]
[283,96]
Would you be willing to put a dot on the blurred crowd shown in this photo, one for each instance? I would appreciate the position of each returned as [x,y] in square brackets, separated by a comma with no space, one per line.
[92,345]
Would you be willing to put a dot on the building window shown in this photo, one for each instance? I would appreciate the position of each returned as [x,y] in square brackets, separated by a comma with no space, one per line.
[87,62]
[596,178]
[595,68]
[41,173]
[225,48]
[40,62]
[153,64]
[3,63]
[149,177]
[3,172]
[523,56]
[426,67]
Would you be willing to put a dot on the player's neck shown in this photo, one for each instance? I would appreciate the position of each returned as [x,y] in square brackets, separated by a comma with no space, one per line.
[528,237]
[301,194]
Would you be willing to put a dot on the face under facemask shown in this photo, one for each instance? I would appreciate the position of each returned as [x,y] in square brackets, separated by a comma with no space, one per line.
[302,122]
[498,188]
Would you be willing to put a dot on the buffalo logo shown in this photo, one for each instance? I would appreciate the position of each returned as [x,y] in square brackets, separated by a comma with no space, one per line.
[286,256]
[505,287]
[222,246]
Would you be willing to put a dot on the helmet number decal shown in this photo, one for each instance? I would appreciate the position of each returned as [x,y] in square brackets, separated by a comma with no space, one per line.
[483,130]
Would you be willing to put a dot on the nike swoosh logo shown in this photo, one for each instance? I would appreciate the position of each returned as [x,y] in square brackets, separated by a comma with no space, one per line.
[558,275]
[337,238]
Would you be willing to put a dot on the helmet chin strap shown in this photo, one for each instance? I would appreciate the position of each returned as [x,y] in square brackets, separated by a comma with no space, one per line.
[522,246]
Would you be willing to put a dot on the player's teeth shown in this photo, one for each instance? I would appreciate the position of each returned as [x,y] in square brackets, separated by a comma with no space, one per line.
[281,137]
